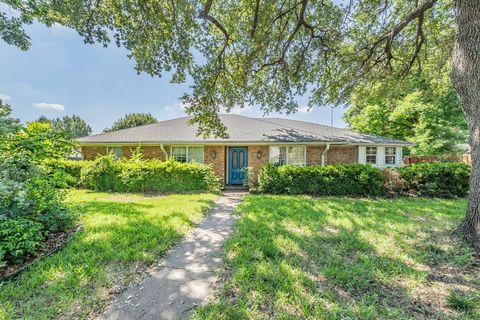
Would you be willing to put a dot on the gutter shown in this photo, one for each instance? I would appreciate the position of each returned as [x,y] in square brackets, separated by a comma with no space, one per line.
[164,152]
[324,152]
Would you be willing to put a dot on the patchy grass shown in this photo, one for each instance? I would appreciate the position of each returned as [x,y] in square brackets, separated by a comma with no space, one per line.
[297,257]
[122,235]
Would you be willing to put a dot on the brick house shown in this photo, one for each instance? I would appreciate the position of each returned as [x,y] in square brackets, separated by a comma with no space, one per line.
[252,143]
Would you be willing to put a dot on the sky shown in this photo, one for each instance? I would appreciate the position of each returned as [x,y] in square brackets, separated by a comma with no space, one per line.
[61,75]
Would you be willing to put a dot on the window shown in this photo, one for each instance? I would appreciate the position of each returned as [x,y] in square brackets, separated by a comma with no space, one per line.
[294,155]
[188,154]
[372,155]
[116,151]
[389,155]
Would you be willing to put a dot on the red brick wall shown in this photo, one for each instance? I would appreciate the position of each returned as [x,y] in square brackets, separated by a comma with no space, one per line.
[314,155]
[155,152]
[90,153]
[338,155]
[218,163]
[254,163]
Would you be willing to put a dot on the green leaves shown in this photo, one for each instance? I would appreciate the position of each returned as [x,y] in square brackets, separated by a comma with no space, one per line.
[132,120]
[266,53]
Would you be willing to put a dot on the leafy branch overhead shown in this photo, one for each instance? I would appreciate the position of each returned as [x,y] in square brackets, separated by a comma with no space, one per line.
[263,52]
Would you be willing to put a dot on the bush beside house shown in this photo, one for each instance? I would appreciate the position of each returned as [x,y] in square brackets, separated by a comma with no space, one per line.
[135,175]
[338,180]
[443,180]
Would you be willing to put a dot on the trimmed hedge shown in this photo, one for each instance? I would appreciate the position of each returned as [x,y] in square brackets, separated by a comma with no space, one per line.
[135,175]
[443,180]
[66,173]
[339,180]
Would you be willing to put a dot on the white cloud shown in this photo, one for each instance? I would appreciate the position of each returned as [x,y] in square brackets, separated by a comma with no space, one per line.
[49,106]
[5,97]
[176,106]
[238,109]
[304,109]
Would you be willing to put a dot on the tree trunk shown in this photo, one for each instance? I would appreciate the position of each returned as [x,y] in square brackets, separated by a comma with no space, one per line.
[465,78]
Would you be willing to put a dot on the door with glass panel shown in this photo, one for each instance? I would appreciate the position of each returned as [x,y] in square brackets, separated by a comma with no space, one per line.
[237,162]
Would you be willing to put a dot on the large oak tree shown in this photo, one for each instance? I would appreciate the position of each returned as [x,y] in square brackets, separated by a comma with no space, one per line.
[268,52]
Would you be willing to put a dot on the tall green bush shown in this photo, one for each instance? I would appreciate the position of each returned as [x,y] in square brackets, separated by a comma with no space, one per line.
[136,175]
[442,180]
[66,173]
[350,179]
[31,206]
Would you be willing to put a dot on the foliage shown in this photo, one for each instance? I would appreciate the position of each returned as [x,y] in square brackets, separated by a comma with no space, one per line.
[132,120]
[299,257]
[437,179]
[121,235]
[393,182]
[27,191]
[18,238]
[442,180]
[37,142]
[72,126]
[7,123]
[263,53]
[351,179]
[65,173]
[102,174]
[423,109]
[136,175]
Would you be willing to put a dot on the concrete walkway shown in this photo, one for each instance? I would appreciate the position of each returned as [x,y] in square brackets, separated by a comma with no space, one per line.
[183,280]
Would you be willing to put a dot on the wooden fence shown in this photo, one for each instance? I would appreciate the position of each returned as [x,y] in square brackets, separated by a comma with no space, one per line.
[465,158]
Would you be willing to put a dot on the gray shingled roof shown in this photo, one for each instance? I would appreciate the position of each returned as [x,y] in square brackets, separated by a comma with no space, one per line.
[240,129]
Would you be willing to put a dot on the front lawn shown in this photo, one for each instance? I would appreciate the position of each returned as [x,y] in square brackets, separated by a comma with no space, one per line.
[123,233]
[297,257]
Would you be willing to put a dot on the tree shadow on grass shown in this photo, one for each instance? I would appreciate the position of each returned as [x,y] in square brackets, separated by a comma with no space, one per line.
[297,257]
[118,241]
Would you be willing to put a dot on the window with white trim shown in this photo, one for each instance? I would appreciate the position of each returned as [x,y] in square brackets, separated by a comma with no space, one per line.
[390,155]
[117,152]
[294,155]
[371,153]
[188,154]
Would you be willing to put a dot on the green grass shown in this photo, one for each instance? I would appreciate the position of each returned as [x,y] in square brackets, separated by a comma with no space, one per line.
[297,257]
[122,235]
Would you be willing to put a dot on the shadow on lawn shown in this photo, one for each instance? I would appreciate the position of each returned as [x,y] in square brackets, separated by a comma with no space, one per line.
[318,258]
[119,239]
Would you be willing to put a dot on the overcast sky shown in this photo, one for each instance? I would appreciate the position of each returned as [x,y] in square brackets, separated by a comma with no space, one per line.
[60,75]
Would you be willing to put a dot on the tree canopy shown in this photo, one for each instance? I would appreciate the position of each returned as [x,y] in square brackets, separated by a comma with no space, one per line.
[422,109]
[7,123]
[257,52]
[132,120]
[73,126]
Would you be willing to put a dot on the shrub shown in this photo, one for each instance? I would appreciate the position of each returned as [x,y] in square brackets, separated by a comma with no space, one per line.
[442,180]
[66,173]
[349,179]
[18,238]
[135,175]
[393,182]
[102,174]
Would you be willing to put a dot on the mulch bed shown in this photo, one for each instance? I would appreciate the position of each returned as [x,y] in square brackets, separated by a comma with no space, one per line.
[52,244]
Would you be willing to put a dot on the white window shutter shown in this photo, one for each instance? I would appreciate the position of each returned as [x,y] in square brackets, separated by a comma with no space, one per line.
[362,154]
[380,156]
[398,156]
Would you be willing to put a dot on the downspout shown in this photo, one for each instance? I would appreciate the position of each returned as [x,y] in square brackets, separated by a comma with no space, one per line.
[324,152]
[164,152]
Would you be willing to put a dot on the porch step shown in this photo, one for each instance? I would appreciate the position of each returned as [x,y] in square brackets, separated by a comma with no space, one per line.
[235,188]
